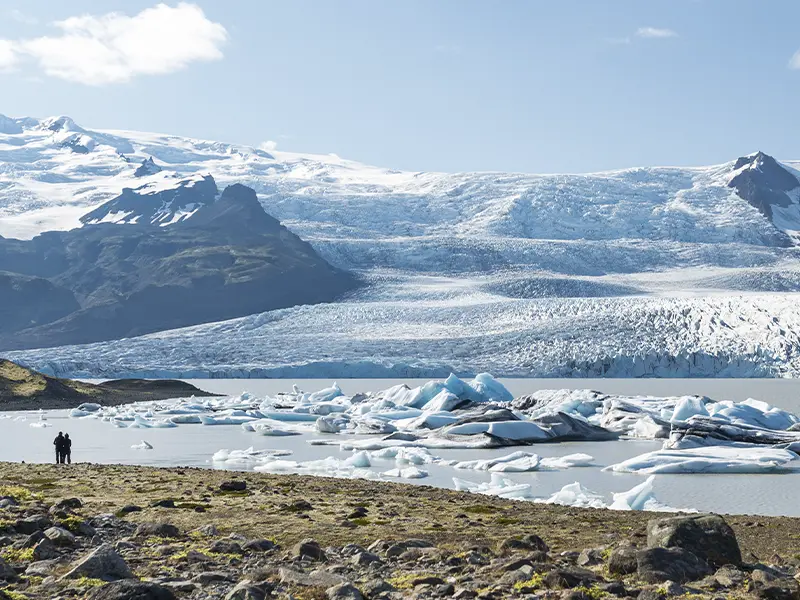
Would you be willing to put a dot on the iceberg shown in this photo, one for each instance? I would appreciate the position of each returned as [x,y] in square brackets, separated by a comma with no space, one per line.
[709,459]
[574,494]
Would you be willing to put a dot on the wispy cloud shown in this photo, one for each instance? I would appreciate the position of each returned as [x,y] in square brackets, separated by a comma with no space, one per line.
[617,41]
[268,146]
[21,17]
[114,48]
[794,62]
[655,33]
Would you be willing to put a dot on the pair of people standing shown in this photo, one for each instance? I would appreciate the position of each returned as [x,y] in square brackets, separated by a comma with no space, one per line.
[63,449]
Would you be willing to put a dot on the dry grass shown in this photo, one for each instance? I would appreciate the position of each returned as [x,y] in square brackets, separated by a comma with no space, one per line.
[450,519]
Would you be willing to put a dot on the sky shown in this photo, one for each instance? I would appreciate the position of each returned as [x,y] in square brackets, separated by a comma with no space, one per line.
[437,85]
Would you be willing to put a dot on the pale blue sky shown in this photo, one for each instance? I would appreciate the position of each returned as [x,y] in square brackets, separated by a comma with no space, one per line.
[445,85]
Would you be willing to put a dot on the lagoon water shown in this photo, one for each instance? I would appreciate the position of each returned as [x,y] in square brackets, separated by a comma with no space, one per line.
[194,445]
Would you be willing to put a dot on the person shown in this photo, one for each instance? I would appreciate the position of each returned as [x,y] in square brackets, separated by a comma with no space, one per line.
[60,445]
[67,449]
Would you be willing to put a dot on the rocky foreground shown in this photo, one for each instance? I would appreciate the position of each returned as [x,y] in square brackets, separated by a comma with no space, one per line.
[135,533]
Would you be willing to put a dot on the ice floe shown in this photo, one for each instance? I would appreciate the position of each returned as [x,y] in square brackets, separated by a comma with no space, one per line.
[709,459]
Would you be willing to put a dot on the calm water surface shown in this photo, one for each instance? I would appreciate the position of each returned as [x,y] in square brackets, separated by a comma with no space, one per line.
[194,445]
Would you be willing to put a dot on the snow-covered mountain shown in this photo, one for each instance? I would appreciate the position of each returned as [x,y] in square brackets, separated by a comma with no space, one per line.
[621,272]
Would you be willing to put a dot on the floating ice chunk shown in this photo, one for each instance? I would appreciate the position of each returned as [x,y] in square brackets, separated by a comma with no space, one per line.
[641,498]
[689,406]
[326,395]
[710,459]
[443,401]
[270,430]
[89,407]
[139,422]
[568,461]
[359,460]
[517,462]
[226,419]
[143,445]
[248,456]
[491,389]
[574,494]
[328,425]
[517,430]
[40,424]
[406,473]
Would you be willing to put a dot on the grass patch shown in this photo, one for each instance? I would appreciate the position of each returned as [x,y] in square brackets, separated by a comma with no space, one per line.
[480,509]
[529,585]
[506,521]
[71,523]
[360,521]
[17,555]
[405,581]
[19,493]
[89,582]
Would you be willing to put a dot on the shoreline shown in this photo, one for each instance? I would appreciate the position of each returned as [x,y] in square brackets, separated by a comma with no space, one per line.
[287,509]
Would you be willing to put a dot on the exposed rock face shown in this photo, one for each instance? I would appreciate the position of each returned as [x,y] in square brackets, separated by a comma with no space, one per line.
[188,258]
[709,537]
[764,183]
[148,167]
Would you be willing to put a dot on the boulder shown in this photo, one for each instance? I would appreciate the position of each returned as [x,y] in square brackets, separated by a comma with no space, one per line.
[129,508]
[309,549]
[708,537]
[622,561]
[233,486]
[207,577]
[103,563]
[570,577]
[60,536]
[397,548]
[248,590]
[44,550]
[68,504]
[528,542]
[259,545]
[157,530]
[226,547]
[131,590]
[344,591]
[591,557]
[729,576]
[7,572]
[655,565]
[30,525]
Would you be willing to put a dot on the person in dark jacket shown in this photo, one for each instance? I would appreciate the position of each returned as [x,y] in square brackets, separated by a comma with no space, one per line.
[67,449]
[60,445]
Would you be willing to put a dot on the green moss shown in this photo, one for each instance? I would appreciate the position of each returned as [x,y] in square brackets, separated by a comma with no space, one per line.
[19,493]
[594,592]
[71,523]
[535,582]
[506,521]
[360,521]
[405,581]
[17,555]
[89,582]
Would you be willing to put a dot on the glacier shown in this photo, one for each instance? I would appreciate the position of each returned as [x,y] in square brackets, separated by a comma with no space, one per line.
[641,272]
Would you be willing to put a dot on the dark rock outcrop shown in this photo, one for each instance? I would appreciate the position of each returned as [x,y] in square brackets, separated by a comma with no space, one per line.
[148,167]
[216,259]
[764,183]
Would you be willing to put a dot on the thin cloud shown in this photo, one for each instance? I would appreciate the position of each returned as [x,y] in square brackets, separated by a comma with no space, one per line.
[794,62]
[21,17]
[655,33]
[268,146]
[618,41]
[115,48]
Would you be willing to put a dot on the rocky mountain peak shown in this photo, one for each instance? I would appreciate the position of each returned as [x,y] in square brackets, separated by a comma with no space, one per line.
[148,167]
[764,183]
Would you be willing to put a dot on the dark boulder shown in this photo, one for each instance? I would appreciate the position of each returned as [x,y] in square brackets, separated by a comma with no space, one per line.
[655,565]
[708,537]
[131,590]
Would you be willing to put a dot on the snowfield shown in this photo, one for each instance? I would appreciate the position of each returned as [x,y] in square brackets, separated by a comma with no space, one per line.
[657,271]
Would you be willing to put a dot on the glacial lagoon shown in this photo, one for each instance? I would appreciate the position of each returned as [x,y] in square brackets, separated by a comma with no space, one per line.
[195,444]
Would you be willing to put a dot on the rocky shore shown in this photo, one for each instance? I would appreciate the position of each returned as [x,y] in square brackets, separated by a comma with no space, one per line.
[136,533]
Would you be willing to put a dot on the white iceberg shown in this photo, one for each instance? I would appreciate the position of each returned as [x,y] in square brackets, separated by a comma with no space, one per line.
[709,459]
